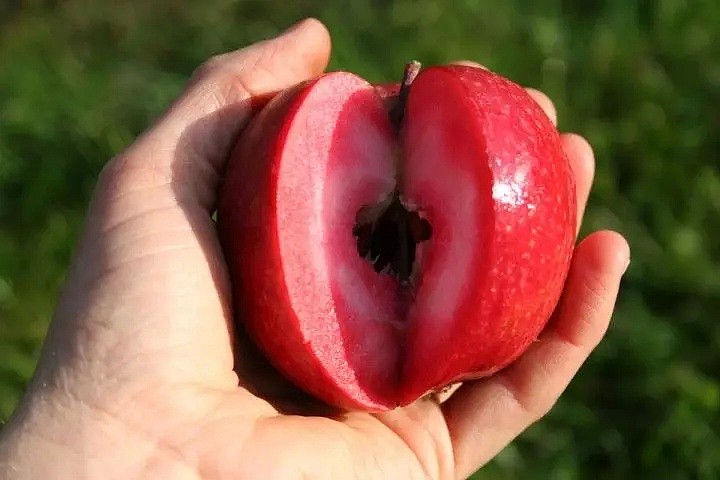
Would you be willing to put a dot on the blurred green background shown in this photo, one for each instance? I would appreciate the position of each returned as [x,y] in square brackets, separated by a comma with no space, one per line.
[79,79]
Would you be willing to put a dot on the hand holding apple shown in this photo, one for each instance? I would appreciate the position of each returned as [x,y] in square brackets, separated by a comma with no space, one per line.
[141,374]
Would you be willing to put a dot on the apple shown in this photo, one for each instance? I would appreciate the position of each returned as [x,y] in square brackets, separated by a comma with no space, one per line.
[384,242]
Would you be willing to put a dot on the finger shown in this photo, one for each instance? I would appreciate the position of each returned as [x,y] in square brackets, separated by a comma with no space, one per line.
[484,416]
[469,63]
[235,78]
[447,392]
[582,163]
[545,103]
[191,141]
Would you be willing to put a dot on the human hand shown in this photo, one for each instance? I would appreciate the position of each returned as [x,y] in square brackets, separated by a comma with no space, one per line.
[141,375]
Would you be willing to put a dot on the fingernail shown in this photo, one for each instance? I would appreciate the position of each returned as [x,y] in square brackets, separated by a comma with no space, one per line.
[627,265]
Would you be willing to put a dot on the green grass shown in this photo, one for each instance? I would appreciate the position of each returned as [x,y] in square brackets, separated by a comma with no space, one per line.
[640,79]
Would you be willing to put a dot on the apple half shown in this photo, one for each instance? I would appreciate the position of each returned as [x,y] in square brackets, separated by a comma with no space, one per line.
[383,242]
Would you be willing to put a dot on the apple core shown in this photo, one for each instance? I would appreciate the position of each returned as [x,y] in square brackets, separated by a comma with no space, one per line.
[387,236]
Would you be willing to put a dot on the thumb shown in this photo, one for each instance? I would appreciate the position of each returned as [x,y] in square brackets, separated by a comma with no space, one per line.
[188,145]
[148,274]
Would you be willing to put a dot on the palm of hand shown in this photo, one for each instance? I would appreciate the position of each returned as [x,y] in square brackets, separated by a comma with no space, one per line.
[139,368]
[168,382]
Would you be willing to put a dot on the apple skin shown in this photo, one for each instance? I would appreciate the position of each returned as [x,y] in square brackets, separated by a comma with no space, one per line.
[475,156]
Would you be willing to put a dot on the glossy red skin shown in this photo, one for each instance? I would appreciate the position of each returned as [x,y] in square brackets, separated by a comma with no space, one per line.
[526,235]
[523,223]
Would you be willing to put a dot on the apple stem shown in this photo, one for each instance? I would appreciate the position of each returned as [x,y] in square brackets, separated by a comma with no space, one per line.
[412,69]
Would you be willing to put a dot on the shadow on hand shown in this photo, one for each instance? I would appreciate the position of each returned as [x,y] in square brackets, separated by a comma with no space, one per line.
[262,379]
[255,372]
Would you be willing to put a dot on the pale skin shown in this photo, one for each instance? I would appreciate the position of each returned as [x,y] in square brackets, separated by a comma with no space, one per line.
[140,376]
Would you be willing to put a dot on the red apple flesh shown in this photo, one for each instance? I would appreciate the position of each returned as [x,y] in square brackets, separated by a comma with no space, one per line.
[483,168]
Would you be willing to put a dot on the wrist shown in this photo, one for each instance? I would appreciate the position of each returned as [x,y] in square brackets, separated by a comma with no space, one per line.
[31,446]
[49,438]
[22,451]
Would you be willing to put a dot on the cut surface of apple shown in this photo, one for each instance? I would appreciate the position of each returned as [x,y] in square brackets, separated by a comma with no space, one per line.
[374,261]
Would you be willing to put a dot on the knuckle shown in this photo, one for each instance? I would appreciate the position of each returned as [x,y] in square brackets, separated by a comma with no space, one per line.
[219,82]
[536,409]
[109,180]
[594,304]
[541,409]
[111,172]
[127,173]
[531,406]
[209,67]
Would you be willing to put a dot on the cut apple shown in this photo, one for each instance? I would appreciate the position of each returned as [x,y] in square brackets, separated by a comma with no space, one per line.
[375,258]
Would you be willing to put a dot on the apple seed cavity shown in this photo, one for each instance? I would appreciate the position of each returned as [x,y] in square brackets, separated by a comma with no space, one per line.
[387,236]
[388,233]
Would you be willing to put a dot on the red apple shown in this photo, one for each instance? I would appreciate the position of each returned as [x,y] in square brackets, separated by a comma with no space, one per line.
[376,256]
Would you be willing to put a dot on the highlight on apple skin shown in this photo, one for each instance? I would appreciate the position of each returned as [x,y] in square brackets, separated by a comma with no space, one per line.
[386,241]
